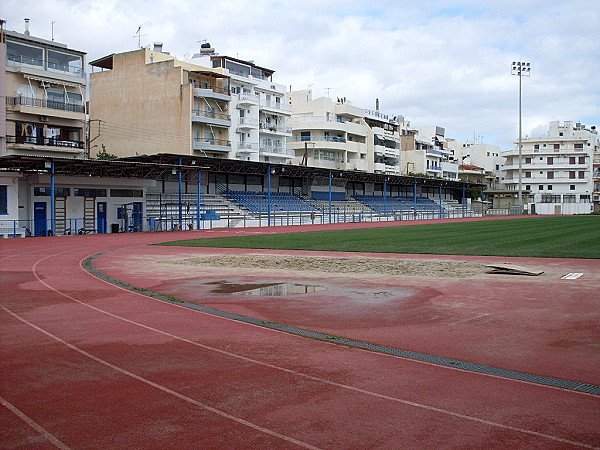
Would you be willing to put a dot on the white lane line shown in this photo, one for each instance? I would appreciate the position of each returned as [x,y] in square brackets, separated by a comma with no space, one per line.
[33,424]
[161,387]
[306,376]
[572,276]
[469,319]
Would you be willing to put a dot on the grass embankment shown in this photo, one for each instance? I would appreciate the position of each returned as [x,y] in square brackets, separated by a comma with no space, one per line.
[548,237]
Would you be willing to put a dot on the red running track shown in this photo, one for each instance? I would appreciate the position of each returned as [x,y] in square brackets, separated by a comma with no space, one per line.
[86,364]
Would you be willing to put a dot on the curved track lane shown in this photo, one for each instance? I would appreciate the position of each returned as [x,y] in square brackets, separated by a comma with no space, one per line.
[89,365]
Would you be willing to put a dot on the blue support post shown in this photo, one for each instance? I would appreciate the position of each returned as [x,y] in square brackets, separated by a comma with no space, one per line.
[52,198]
[180,196]
[385,197]
[464,199]
[415,196]
[198,198]
[268,196]
[441,207]
[330,177]
[14,228]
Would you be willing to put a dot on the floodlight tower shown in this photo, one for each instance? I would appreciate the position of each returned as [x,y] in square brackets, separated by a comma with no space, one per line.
[520,69]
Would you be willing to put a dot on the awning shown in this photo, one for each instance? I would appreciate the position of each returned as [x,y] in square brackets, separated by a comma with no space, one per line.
[48,81]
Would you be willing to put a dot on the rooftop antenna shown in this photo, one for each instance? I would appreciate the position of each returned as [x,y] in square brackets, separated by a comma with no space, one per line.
[328,89]
[139,35]
[52,25]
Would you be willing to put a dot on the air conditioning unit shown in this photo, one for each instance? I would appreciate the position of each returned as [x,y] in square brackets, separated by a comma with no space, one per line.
[44,119]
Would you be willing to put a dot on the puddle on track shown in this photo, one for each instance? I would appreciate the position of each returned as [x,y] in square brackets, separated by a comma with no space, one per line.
[269,290]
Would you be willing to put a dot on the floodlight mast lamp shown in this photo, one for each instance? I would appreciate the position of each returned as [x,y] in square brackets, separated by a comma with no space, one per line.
[520,69]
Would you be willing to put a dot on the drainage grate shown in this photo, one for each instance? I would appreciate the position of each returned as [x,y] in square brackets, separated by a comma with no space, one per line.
[438,360]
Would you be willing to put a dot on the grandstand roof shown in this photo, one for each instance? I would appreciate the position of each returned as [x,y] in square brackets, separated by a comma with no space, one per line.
[157,166]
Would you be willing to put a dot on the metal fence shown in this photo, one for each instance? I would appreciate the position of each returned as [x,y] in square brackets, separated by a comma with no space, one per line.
[74,226]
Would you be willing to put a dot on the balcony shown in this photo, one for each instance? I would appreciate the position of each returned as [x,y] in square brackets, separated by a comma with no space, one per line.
[432,152]
[247,147]
[274,129]
[247,123]
[40,67]
[272,150]
[30,105]
[64,145]
[277,107]
[248,99]
[211,118]
[212,145]
[212,92]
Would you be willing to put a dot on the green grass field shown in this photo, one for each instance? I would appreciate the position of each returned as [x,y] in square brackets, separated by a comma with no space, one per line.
[548,237]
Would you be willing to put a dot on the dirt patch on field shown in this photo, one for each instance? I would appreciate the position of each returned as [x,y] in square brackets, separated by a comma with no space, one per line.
[376,266]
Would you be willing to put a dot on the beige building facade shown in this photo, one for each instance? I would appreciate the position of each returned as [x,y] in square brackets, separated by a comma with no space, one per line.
[147,102]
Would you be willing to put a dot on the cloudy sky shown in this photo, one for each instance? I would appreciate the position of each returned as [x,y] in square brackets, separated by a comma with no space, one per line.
[435,62]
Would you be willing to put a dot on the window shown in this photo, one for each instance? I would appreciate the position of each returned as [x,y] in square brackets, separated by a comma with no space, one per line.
[571,174]
[578,146]
[569,198]
[305,135]
[64,62]
[571,160]
[584,199]
[527,187]
[581,174]
[550,175]
[571,187]
[45,191]
[4,200]
[89,192]
[536,146]
[549,187]
[582,160]
[527,161]
[497,166]
[24,54]
[550,160]
[541,187]
[527,174]
[556,146]
[126,193]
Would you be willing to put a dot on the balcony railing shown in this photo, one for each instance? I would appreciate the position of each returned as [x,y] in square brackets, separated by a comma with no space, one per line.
[211,144]
[41,103]
[275,129]
[318,138]
[279,150]
[276,105]
[246,122]
[21,60]
[50,142]
[210,115]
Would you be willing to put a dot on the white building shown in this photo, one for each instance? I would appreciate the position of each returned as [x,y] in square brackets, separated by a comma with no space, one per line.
[557,169]
[478,162]
[338,135]
[259,109]
[430,155]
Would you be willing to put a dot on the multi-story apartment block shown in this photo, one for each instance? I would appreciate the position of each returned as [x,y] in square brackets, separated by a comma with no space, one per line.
[430,154]
[260,110]
[477,162]
[557,169]
[338,135]
[148,102]
[45,87]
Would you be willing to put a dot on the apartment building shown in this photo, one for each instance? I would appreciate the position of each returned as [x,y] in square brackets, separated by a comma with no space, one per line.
[430,154]
[148,102]
[557,169]
[259,108]
[478,162]
[338,135]
[45,87]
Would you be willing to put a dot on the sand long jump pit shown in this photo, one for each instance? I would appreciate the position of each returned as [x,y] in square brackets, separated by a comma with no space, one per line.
[439,305]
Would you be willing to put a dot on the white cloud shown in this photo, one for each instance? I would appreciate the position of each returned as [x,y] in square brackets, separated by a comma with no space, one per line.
[443,63]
